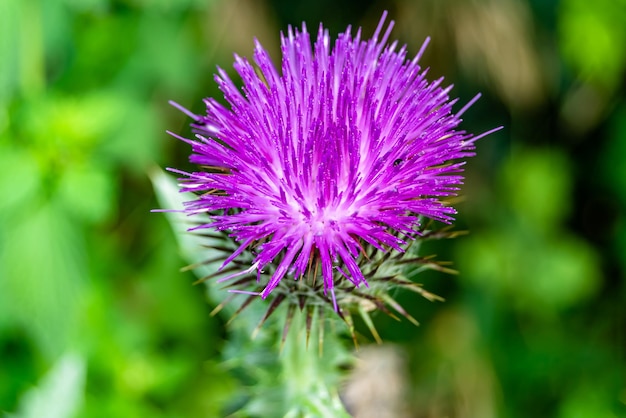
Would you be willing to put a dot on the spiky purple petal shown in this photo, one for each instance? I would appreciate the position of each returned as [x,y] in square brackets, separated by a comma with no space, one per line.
[347,145]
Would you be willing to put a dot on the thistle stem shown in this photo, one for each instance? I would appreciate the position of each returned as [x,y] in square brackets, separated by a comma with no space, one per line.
[311,378]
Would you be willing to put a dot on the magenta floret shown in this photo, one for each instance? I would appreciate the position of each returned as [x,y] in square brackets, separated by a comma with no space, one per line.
[348,145]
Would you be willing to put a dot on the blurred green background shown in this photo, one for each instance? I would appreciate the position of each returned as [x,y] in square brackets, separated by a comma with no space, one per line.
[97,321]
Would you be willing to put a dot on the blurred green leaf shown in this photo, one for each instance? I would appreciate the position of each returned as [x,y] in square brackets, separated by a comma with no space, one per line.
[167,55]
[560,273]
[170,6]
[88,191]
[172,200]
[592,35]
[536,184]
[134,143]
[9,54]
[196,248]
[70,127]
[42,266]
[59,394]
[87,5]
[19,188]
[537,276]
[593,401]
[528,257]
[56,35]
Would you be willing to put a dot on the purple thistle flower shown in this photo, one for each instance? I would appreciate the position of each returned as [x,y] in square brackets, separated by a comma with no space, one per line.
[347,147]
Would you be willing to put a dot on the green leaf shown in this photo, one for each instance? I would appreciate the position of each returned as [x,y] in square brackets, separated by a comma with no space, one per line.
[134,140]
[59,394]
[9,54]
[536,184]
[73,125]
[89,191]
[88,5]
[562,273]
[20,185]
[536,275]
[592,35]
[588,401]
[191,245]
[43,269]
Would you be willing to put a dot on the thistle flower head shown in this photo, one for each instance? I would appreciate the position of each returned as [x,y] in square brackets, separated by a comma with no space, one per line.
[315,167]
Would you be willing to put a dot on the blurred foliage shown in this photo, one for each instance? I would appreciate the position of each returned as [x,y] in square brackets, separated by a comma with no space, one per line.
[527,257]
[97,321]
[592,36]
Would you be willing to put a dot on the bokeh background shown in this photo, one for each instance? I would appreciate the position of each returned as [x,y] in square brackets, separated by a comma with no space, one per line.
[97,321]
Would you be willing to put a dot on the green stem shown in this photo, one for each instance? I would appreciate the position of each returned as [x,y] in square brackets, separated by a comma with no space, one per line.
[310,378]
